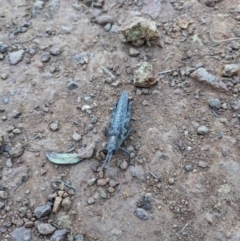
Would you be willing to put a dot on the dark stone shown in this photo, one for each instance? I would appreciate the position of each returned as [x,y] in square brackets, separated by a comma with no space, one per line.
[58,235]
[16,114]
[210,3]
[141,213]
[42,211]
[234,104]
[46,57]
[72,85]
[188,168]
[55,51]
[3,48]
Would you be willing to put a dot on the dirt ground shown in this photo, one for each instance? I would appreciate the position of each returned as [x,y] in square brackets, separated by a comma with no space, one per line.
[192,178]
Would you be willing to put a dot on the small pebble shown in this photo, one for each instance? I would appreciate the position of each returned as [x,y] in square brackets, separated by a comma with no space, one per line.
[112,183]
[2,205]
[45,228]
[103,194]
[224,151]
[203,164]
[102,182]
[16,114]
[90,200]
[214,103]
[55,51]
[29,224]
[188,168]
[5,100]
[54,126]
[57,204]
[76,137]
[171,181]
[16,131]
[133,52]
[111,189]
[141,213]
[145,103]
[67,203]
[42,211]
[46,57]
[4,76]
[91,181]
[107,27]
[124,165]
[58,235]
[202,130]
[9,163]
[3,195]
[71,85]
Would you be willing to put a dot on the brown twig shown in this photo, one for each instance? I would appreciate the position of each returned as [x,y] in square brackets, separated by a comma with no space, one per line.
[222,40]
[108,72]
[165,71]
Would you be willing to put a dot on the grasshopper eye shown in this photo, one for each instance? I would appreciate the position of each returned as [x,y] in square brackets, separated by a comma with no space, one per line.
[105,152]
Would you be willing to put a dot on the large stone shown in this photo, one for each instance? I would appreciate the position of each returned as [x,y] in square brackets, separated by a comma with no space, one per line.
[21,234]
[139,30]
[79,238]
[53,6]
[42,211]
[57,204]
[38,5]
[230,69]
[141,213]
[202,75]
[138,172]
[67,203]
[225,189]
[17,150]
[152,8]
[64,222]
[45,228]
[15,57]
[3,195]
[104,19]
[214,103]
[133,52]
[87,152]
[58,235]
[202,130]
[143,75]
[55,51]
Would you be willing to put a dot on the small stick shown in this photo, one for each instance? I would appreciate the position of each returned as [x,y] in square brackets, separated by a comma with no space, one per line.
[74,122]
[184,227]
[66,184]
[106,71]
[23,42]
[153,175]
[31,149]
[159,202]
[165,71]
[223,40]
[168,57]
